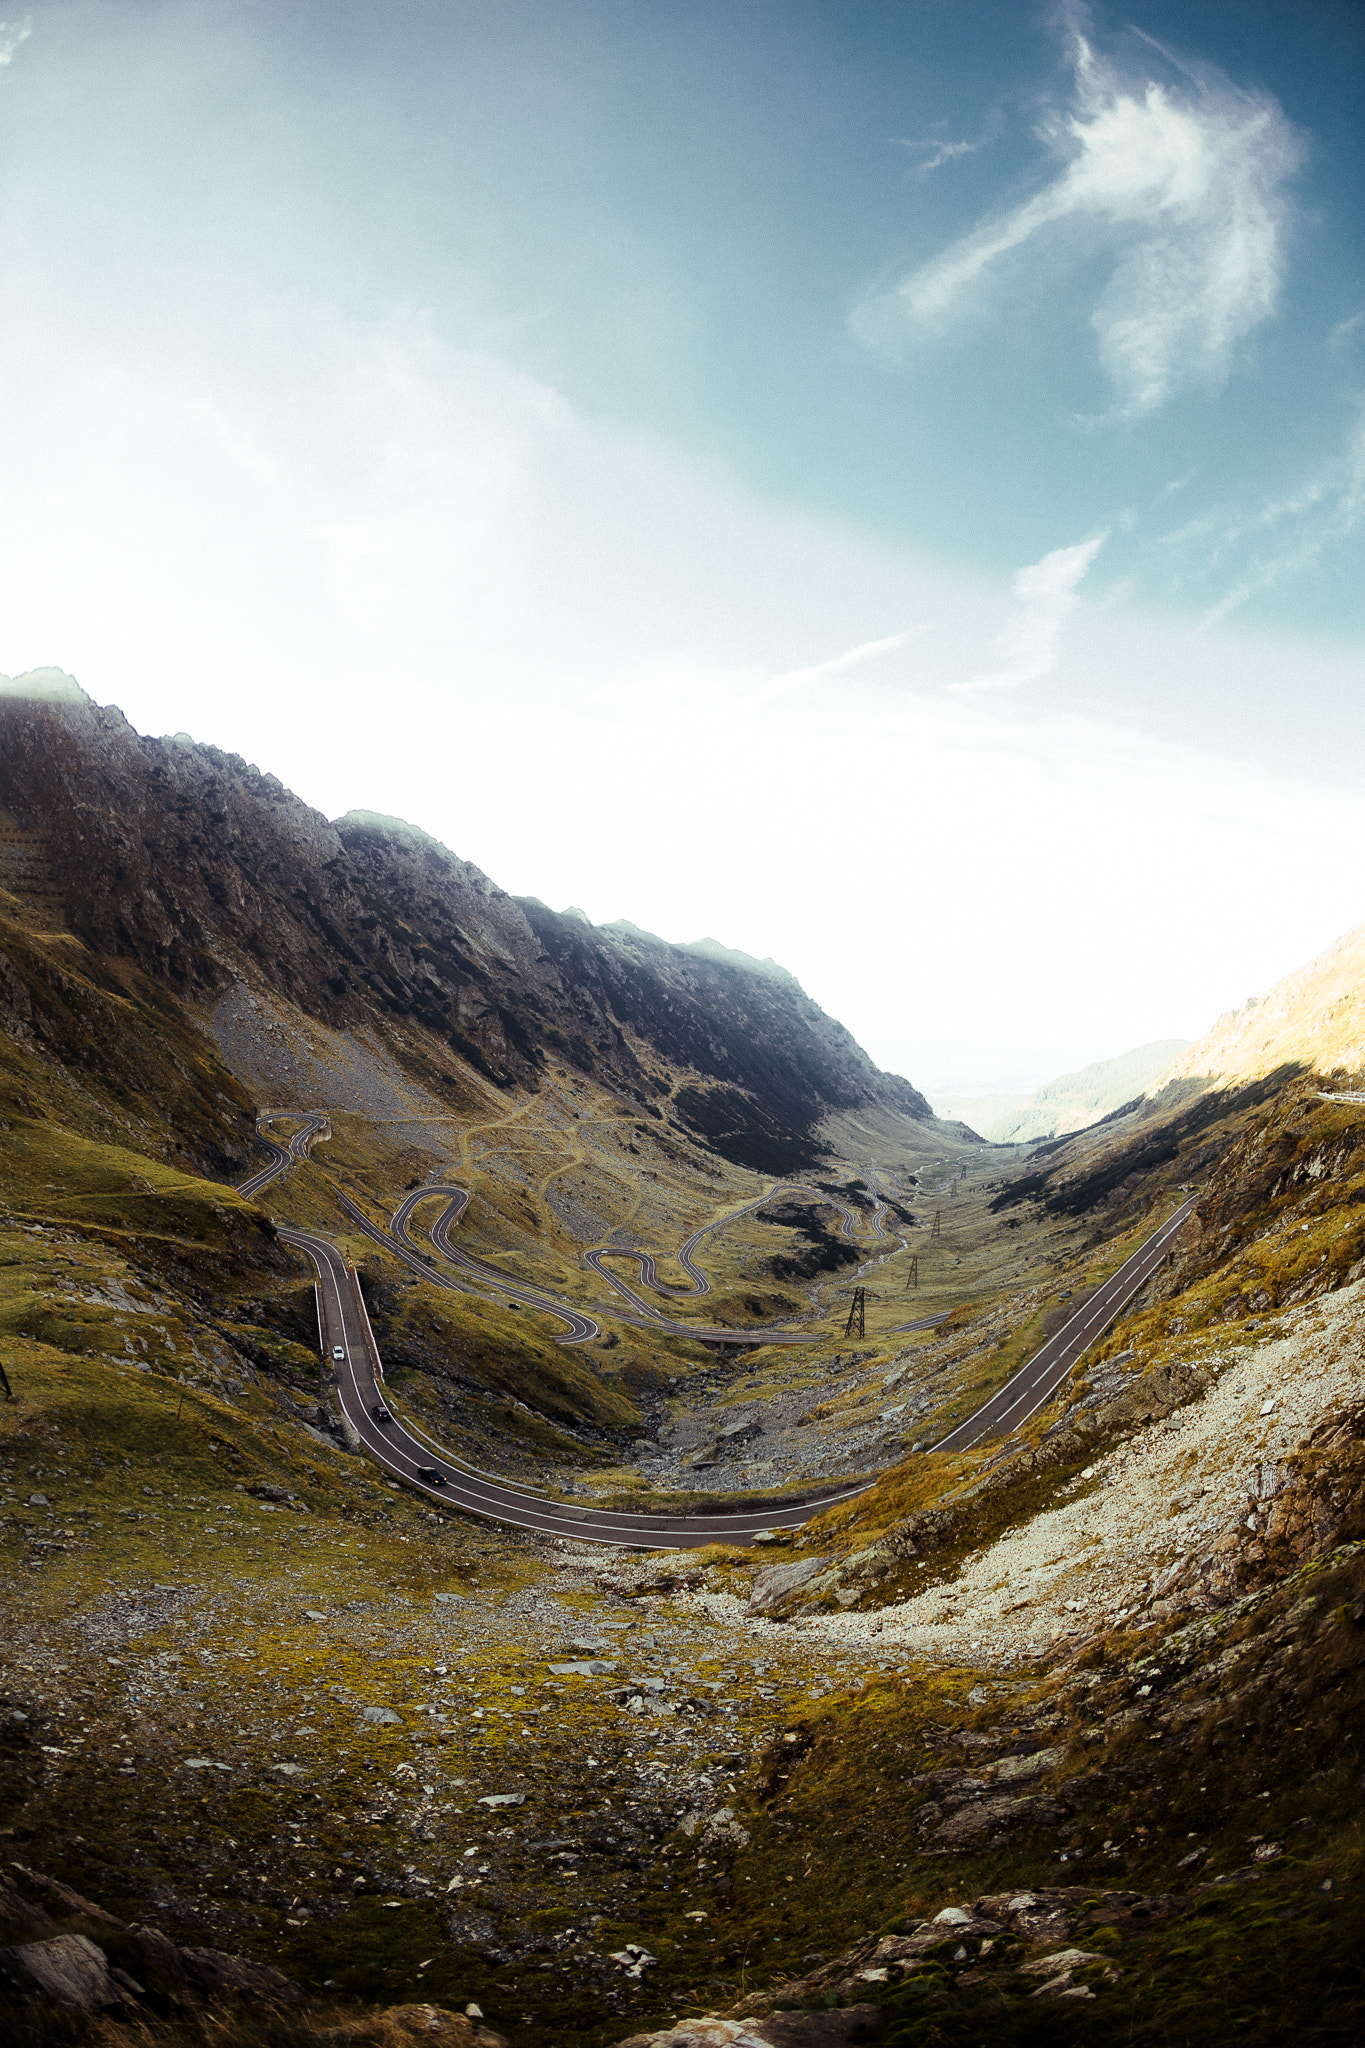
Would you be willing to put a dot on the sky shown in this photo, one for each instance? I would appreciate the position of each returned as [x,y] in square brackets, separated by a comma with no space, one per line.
[878,484]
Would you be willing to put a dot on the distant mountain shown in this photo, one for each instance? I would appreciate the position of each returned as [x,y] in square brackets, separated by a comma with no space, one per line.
[979,1112]
[1073,1101]
[145,881]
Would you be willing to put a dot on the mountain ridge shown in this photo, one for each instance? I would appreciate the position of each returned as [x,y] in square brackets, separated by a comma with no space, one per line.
[188,866]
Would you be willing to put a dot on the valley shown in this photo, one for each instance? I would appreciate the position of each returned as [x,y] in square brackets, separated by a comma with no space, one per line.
[864,1640]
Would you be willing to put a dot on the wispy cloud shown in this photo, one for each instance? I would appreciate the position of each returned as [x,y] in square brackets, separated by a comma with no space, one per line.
[933,151]
[1182,180]
[12,33]
[1045,597]
[840,664]
[1290,534]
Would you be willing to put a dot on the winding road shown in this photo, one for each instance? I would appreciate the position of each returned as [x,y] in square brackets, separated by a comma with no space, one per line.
[288,1154]
[409,1454]
[1036,1382]
[403,1449]
[641,1315]
[700,1283]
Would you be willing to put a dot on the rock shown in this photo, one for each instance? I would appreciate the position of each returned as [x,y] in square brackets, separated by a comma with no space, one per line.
[502,1799]
[70,1971]
[1015,1770]
[1061,1959]
[450,1599]
[739,1433]
[844,2028]
[703,2033]
[313,1614]
[776,1581]
[1057,1970]
[224,1976]
[38,1500]
[288,1770]
[723,1831]
[156,1957]
[1040,1918]
[418,2023]
[579,1668]
[979,1820]
[634,1960]
[71,1900]
[383,1717]
[19,1916]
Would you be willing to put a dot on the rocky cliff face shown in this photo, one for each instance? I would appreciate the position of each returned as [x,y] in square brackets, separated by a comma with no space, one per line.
[193,870]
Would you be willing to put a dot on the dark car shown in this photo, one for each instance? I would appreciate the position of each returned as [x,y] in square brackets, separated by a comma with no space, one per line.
[380,1412]
[429,1476]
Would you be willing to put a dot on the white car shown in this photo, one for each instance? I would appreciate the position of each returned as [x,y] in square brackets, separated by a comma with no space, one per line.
[339,1354]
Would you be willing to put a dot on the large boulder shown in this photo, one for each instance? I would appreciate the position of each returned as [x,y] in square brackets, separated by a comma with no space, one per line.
[224,1976]
[69,1970]
[777,1582]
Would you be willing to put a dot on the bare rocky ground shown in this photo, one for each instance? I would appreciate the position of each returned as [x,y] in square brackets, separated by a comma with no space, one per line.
[1205,1473]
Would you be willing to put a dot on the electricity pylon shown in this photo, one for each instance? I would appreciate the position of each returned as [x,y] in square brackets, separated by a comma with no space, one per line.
[854,1327]
[937,1230]
[912,1277]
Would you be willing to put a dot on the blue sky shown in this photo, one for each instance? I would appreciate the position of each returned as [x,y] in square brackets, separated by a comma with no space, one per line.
[962,403]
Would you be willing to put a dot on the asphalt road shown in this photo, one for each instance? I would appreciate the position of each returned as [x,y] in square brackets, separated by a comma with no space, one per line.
[401,1448]
[700,1283]
[638,1313]
[281,1156]
[581,1329]
[1035,1383]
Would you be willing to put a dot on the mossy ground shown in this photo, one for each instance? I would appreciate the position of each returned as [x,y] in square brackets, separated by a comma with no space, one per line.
[158,1339]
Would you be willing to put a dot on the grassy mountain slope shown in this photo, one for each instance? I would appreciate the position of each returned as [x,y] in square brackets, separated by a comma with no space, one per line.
[192,870]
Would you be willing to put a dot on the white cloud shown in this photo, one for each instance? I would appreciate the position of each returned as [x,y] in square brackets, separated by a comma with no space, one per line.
[12,33]
[1182,183]
[934,152]
[1045,597]
[406,576]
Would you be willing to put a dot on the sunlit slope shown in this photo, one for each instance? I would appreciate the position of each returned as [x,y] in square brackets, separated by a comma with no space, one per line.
[1315,1017]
